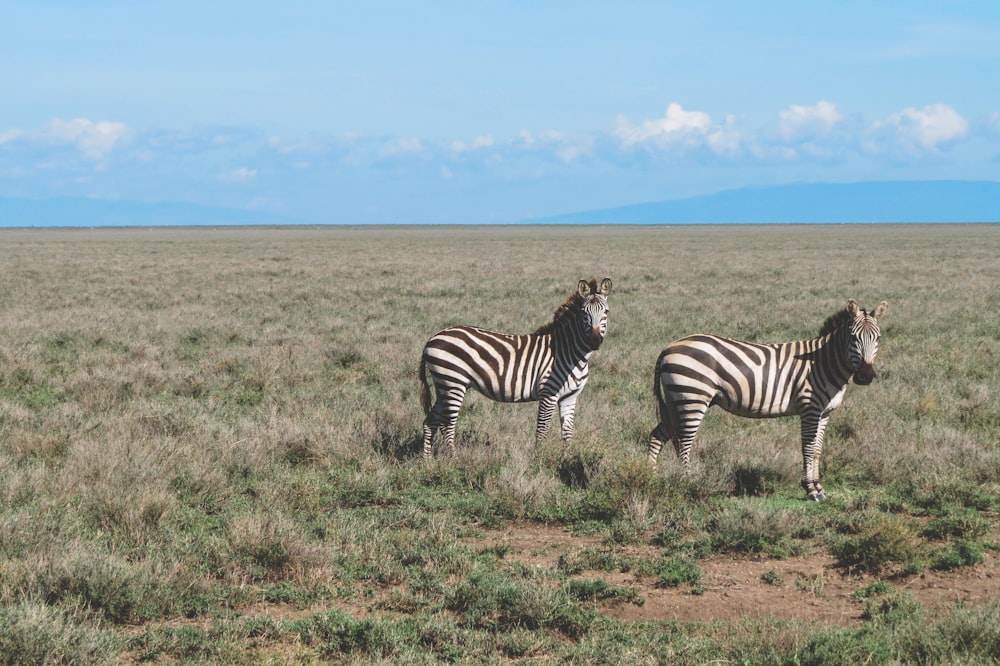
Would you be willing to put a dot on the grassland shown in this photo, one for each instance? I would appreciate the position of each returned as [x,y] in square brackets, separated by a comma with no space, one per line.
[208,449]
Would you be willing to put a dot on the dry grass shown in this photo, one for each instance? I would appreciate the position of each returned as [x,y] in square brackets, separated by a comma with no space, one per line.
[188,416]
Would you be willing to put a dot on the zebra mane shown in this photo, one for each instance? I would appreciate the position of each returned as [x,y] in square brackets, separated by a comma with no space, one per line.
[835,321]
[572,304]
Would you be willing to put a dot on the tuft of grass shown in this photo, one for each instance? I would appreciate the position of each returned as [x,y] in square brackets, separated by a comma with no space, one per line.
[771,577]
[961,523]
[883,543]
[875,589]
[892,609]
[755,528]
[597,589]
[35,633]
[957,554]
[498,603]
[676,571]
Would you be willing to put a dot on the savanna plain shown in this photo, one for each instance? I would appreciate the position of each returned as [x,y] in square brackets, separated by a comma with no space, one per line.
[209,452]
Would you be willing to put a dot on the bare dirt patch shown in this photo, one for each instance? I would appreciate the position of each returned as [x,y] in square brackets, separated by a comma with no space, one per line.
[801,588]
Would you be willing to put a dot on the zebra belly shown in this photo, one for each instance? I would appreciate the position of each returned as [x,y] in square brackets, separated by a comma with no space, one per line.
[754,412]
[504,389]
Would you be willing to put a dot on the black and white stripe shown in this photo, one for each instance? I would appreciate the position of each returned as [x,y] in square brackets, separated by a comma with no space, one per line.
[549,365]
[808,378]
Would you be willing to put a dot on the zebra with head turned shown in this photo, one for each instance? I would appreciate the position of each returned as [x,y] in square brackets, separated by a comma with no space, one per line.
[808,378]
[549,365]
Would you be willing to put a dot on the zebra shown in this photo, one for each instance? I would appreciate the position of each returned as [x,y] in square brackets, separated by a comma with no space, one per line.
[808,378]
[549,365]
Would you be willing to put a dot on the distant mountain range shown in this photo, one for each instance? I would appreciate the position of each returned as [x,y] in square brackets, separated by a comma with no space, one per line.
[884,201]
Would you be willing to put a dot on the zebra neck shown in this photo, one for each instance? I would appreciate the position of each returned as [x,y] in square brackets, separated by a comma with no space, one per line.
[566,341]
[831,353]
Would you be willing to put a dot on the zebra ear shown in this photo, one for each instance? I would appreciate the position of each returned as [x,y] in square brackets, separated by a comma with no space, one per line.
[605,287]
[880,309]
[583,288]
[852,307]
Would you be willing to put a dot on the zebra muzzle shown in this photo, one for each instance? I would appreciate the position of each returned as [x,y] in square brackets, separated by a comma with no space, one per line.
[596,338]
[865,374]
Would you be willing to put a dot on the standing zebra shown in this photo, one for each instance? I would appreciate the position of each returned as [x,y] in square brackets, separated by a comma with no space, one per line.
[808,378]
[549,365]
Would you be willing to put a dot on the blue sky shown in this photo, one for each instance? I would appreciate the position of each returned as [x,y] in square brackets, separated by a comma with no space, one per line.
[362,112]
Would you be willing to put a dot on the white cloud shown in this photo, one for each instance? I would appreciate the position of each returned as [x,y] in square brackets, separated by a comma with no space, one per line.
[94,139]
[725,139]
[675,125]
[484,141]
[401,146]
[309,144]
[565,148]
[798,121]
[933,125]
[918,130]
[240,175]
[10,135]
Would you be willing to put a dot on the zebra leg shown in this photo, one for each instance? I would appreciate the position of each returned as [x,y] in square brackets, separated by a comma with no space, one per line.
[431,424]
[682,444]
[546,408]
[659,435]
[443,415]
[683,448]
[813,430]
[567,410]
[690,415]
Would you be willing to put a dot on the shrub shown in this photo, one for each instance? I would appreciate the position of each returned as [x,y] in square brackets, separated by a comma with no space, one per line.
[754,528]
[618,487]
[966,635]
[335,633]
[886,542]
[875,589]
[499,603]
[962,523]
[676,571]
[597,589]
[892,609]
[958,554]
[771,577]
[591,559]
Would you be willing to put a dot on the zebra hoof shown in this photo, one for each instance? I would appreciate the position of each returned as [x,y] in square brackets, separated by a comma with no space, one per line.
[816,496]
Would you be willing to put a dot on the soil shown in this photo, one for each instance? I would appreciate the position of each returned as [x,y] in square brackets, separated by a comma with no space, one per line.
[804,588]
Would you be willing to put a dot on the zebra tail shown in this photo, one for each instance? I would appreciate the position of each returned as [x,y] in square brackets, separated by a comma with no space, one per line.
[425,393]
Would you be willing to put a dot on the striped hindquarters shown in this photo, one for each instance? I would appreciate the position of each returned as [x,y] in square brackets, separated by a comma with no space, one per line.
[503,367]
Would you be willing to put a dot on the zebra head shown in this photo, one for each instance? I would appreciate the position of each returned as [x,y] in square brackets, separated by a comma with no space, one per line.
[863,343]
[594,310]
